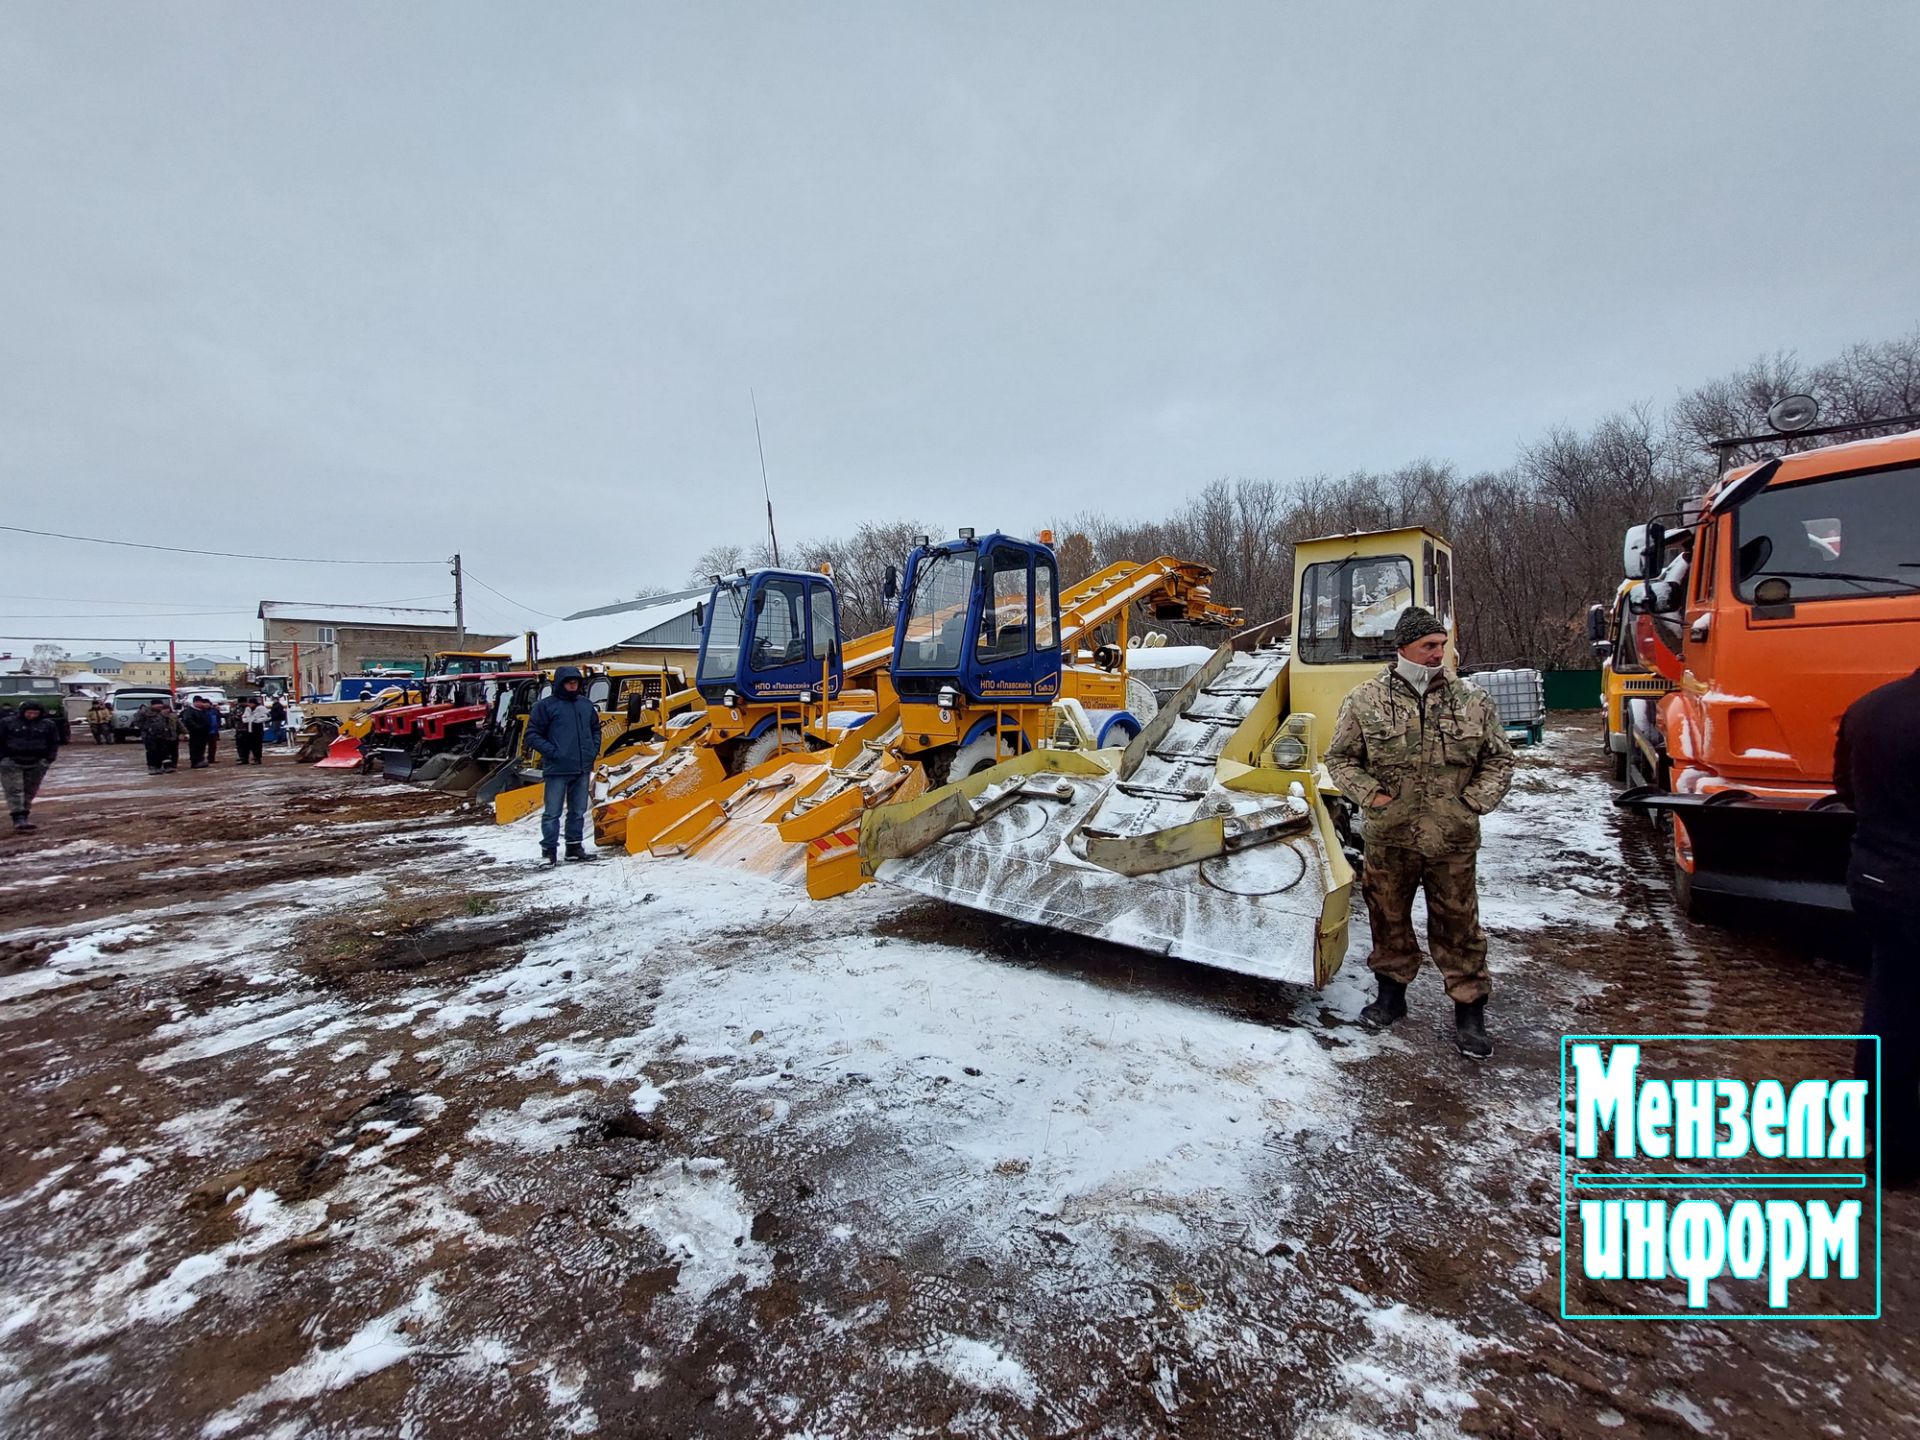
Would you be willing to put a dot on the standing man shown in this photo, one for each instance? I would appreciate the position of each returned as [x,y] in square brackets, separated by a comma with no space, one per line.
[160,732]
[29,744]
[214,718]
[564,731]
[100,721]
[249,729]
[1423,756]
[197,721]
[277,721]
[1875,773]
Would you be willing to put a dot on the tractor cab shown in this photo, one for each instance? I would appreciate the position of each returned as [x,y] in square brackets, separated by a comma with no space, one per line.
[770,653]
[468,662]
[979,620]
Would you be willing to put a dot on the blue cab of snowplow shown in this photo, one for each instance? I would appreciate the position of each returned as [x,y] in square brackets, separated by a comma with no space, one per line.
[768,636]
[979,615]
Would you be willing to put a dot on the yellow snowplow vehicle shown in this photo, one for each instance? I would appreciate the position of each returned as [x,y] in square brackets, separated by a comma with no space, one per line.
[1215,835]
[983,660]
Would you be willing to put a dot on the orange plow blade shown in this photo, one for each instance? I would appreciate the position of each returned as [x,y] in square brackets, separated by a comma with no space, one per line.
[343,754]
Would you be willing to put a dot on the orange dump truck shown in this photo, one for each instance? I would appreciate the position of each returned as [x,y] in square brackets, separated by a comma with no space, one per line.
[1793,592]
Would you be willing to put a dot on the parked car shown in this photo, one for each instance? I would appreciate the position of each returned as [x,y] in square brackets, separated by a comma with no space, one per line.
[128,702]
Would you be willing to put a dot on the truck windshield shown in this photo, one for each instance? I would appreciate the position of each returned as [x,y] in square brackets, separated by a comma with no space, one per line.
[1837,536]
[1348,609]
[720,656]
[933,635]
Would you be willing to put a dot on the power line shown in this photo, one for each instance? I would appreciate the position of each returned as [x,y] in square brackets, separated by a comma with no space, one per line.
[508,598]
[127,614]
[222,554]
[147,638]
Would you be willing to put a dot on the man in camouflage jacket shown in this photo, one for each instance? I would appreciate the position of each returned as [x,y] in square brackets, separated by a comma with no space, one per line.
[1422,755]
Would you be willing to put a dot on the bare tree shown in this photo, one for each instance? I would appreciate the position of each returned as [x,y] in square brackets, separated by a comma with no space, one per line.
[45,660]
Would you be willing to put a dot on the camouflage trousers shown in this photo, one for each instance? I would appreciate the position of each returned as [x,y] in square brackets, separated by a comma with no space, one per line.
[1390,880]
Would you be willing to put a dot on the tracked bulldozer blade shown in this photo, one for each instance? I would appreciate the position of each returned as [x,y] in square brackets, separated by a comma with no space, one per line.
[1184,845]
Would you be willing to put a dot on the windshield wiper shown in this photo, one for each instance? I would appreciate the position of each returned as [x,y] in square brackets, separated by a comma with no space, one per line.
[1848,575]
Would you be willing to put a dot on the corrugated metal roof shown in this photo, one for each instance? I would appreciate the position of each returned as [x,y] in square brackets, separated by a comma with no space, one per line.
[657,622]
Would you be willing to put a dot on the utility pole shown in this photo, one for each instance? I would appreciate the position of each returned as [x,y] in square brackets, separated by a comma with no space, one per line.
[459,607]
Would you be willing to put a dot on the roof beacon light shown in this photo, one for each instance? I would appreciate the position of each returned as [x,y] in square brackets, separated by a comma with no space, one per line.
[1793,412]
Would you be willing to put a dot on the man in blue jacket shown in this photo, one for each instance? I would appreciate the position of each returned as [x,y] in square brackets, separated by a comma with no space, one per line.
[564,731]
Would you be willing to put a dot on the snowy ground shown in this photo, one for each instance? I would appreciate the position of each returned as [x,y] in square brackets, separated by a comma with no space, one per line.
[433,1138]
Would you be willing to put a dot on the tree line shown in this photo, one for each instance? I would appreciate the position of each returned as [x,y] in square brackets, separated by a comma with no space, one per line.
[1534,543]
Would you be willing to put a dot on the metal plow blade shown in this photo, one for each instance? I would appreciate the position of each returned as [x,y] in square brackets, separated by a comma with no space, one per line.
[1151,850]
[342,754]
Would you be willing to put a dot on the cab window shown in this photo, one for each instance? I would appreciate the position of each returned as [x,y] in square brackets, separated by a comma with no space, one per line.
[1009,596]
[1046,605]
[779,625]
[824,633]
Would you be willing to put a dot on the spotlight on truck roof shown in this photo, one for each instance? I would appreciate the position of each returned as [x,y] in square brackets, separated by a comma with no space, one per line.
[1793,412]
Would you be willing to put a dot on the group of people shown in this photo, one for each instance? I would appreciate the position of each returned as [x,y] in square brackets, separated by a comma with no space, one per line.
[200,723]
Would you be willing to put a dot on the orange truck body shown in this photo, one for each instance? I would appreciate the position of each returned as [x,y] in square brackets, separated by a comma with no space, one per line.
[1797,601]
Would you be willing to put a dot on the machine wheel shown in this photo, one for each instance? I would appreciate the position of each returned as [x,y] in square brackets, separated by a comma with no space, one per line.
[118,738]
[765,747]
[1619,759]
[971,758]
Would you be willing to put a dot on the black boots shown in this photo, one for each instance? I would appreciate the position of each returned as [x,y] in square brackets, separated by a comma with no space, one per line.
[551,857]
[580,852]
[1388,1006]
[1470,1029]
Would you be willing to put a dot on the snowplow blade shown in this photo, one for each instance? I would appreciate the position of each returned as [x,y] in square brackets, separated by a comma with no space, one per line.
[1188,844]
[516,802]
[461,775]
[342,754]
[396,764]
[1750,847]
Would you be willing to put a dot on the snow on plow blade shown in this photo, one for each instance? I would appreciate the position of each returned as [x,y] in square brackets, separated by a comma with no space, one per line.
[1188,844]
[1752,847]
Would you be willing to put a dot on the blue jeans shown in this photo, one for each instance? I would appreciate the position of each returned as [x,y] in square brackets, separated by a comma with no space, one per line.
[575,793]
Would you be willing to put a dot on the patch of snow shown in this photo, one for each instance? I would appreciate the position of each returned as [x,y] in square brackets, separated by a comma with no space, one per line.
[383,1341]
[698,1215]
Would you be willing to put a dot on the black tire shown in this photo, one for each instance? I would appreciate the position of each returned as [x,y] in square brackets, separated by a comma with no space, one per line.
[1619,767]
[118,738]
[1683,898]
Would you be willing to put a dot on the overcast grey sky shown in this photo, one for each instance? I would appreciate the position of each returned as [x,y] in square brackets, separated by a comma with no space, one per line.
[396,279]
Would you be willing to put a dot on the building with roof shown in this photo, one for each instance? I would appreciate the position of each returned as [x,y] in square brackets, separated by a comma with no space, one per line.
[656,630]
[318,643]
[152,669]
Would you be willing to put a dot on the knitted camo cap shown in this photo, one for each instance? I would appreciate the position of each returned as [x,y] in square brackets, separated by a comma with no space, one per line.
[1415,624]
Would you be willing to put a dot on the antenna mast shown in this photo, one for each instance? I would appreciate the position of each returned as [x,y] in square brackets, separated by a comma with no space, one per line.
[765,489]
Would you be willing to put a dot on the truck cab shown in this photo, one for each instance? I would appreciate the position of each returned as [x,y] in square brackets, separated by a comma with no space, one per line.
[1801,594]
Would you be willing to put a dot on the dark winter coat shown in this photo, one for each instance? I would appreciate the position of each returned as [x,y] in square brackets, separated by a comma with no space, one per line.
[161,725]
[27,740]
[197,721]
[1876,772]
[563,732]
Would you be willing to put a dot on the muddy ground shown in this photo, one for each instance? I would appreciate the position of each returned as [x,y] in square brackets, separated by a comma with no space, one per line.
[329,1114]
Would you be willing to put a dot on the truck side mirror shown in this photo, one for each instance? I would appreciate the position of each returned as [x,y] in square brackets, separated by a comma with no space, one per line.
[1596,624]
[890,587]
[1640,555]
[700,616]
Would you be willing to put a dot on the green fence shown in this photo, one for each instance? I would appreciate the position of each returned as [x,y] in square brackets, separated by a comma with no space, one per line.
[1572,689]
